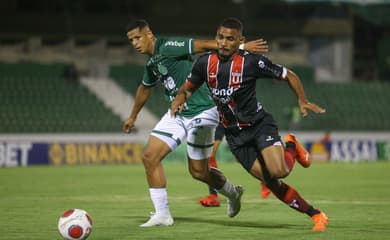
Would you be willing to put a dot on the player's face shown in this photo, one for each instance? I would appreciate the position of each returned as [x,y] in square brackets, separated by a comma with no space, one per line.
[141,40]
[228,40]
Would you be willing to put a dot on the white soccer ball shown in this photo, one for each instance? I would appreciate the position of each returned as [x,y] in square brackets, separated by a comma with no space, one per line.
[75,224]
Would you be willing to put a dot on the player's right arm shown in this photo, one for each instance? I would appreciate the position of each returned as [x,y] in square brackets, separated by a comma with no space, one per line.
[142,95]
[258,46]
[204,45]
[179,46]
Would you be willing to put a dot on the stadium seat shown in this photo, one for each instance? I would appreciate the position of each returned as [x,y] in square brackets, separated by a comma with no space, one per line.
[36,98]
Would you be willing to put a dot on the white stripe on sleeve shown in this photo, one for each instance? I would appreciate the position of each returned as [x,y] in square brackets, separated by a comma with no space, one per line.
[189,46]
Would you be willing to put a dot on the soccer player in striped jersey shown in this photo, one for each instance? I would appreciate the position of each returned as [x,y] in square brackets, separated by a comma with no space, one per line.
[251,132]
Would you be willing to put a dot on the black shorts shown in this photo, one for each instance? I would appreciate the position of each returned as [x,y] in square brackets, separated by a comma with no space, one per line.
[247,143]
[219,133]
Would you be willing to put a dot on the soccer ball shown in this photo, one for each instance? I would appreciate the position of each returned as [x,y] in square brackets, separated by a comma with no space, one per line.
[75,224]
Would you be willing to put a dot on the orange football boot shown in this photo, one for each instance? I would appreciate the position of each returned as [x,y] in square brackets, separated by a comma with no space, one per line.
[303,156]
[209,201]
[320,221]
[265,191]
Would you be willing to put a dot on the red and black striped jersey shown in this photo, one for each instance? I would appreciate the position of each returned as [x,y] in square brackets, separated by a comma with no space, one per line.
[232,84]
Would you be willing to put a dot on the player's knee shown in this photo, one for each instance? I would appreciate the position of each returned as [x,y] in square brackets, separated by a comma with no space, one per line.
[198,169]
[147,160]
[198,174]
[284,173]
[279,172]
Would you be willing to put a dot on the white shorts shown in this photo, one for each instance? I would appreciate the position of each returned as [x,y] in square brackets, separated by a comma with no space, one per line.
[198,131]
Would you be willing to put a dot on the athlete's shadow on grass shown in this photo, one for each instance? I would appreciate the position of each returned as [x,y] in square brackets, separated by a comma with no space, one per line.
[228,222]
[237,223]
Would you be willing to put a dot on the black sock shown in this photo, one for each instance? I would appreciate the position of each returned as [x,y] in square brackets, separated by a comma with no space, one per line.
[291,145]
[312,211]
[212,191]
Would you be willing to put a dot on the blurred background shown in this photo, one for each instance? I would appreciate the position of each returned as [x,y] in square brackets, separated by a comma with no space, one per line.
[66,67]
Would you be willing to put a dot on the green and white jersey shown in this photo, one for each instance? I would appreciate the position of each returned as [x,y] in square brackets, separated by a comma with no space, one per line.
[170,65]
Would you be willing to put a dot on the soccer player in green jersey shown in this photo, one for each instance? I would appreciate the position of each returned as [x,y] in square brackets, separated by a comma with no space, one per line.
[169,63]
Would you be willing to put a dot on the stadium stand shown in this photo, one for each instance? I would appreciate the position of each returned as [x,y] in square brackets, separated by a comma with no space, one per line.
[38,98]
[350,106]
[128,76]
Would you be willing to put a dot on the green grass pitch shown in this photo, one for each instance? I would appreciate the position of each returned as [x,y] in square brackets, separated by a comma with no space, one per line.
[355,196]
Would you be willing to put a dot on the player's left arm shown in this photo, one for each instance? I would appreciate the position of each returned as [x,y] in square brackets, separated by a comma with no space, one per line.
[193,82]
[303,102]
[258,46]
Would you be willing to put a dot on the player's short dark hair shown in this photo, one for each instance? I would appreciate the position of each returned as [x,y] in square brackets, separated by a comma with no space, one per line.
[232,22]
[139,23]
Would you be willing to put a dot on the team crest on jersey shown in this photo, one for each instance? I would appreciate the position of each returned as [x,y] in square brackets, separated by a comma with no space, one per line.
[236,78]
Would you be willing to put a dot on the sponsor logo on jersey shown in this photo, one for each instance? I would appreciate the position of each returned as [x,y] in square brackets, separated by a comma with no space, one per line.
[222,92]
[175,43]
[261,64]
[222,95]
